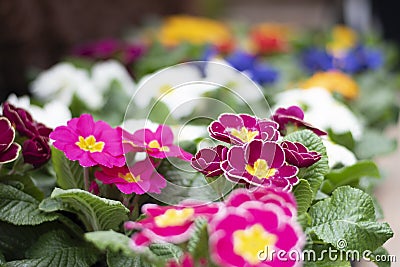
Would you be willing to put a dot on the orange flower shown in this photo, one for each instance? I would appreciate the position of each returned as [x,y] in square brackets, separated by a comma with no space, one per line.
[267,38]
[333,81]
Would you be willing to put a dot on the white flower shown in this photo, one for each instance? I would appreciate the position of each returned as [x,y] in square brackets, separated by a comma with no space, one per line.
[189,132]
[322,110]
[62,81]
[104,73]
[338,154]
[132,125]
[53,114]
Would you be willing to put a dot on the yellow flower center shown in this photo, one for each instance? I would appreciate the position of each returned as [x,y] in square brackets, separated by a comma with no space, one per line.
[165,89]
[173,217]
[260,169]
[129,177]
[244,134]
[249,242]
[156,144]
[89,144]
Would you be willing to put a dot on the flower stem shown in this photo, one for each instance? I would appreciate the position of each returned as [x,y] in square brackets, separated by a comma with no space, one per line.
[135,209]
[126,200]
[86,178]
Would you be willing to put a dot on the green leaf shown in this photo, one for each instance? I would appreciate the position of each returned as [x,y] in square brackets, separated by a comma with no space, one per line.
[19,208]
[316,256]
[109,240]
[198,243]
[304,196]
[381,257]
[23,183]
[119,259]
[69,173]
[348,216]
[374,143]
[166,251]
[343,139]
[315,173]
[57,248]
[95,212]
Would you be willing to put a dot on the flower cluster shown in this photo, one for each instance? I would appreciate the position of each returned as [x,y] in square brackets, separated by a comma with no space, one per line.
[35,149]
[239,228]
[256,156]
[98,144]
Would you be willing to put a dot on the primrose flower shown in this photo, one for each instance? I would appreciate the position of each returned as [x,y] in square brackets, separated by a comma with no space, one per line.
[185,261]
[9,150]
[36,151]
[208,160]
[158,144]
[242,128]
[260,163]
[140,178]
[293,116]
[333,81]
[238,234]
[173,224]
[321,109]
[90,142]
[268,38]
[298,155]
[23,122]
[338,155]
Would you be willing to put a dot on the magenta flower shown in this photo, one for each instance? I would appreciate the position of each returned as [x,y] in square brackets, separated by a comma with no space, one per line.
[293,116]
[23,122]
[90,142]
[173,224]
[268,196]
[208,160]
[297,154]
[36,151]
[240,235]
[260,163]
[9,150]
[158,144]
[242,128]
[142,177]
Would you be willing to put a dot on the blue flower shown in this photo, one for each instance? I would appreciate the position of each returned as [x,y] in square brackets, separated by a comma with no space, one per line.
[315,59]
[360,58]
[263,74]
[241,60]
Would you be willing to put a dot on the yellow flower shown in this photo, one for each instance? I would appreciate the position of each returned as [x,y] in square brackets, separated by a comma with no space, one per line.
[343,38]
[196,30]
[333,81]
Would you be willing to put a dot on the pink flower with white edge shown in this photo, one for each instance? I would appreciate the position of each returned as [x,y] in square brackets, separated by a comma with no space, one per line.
[140,178]
[283,199]
[158,144]
[240,236]
[174,224]
[92,143]
[260,163]
[243,128]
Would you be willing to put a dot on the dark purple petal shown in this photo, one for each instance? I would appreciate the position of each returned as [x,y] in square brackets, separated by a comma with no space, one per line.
[208,160]
[7,134]
[10,154]
[36,151]
[297,154]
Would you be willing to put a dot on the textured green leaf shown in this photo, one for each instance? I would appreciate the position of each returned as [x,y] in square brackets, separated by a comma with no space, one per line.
[23,183]
[109,240]
[343,139]
[318,255]
[166,251]
[315,173]
[384,259]
[19,208]
[349,215]
[304,196]
[198,243]
[57,248]
[95,212]
[69,173]
[119,259]
[352,173]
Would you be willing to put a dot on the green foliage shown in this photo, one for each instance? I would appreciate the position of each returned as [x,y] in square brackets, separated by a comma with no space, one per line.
[304,196]
[166,251]
[119,259]
[69,173]
[95,212]
[374,143]
[314,174]
[57,248]
[23,183]
[198,243]
[19,208]
[109,240]
[349,215]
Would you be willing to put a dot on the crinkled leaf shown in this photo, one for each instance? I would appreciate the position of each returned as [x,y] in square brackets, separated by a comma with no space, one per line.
[19,208]
[109,240]
[118,259]
[166,251]
[69,173]
[198,243]
[349,215]
[381,257]
[315,173]
[57,248]
[95,212]
[304,196]
[318,255]
[23,183]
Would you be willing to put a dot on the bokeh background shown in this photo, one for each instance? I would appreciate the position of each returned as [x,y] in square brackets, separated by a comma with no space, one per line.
[35,34]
